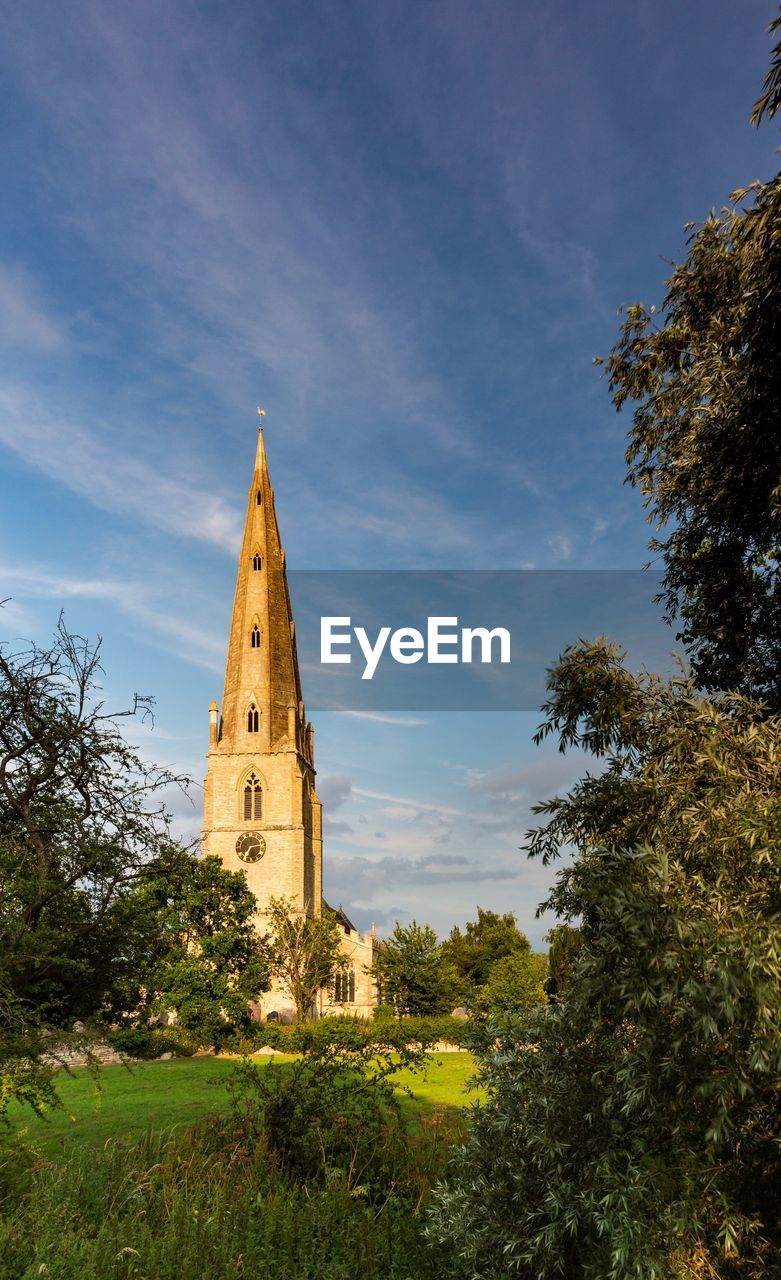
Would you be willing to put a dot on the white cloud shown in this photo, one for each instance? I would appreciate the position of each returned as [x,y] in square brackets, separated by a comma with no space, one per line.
[561,544]
[402,721]
[24,321]
[408,803]
[109,473]
[130,598]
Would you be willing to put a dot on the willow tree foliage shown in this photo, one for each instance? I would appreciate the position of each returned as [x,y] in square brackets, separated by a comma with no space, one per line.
[631,1129]
[702,374]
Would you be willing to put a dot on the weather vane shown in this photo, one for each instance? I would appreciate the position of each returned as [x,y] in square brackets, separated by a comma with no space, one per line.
[261,414]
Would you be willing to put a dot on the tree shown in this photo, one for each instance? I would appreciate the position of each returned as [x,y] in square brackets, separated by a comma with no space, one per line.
[197,948]
[703,375]
[80,816]
[474,952]
[303,952]
[413,974]
[631,1130]
[564,949]
[515,983]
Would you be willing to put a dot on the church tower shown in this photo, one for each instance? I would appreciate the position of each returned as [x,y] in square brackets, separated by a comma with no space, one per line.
[261,812]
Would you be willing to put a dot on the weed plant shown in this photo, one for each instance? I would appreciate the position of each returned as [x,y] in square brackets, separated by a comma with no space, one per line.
[204,1203]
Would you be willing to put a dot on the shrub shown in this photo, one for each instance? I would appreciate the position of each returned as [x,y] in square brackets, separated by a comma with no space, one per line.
[151,1042]
[136,1042]
[335,1110]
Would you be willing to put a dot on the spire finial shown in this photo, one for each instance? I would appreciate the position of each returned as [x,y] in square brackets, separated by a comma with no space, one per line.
[260,455]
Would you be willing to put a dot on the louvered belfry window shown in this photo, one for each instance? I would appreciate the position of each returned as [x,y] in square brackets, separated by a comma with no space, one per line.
[253,799]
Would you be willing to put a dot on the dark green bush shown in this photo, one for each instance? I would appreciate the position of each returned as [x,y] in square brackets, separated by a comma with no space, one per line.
[134,1041]
[355,1033]
[316,1120]
[336,1111]
[151,1042]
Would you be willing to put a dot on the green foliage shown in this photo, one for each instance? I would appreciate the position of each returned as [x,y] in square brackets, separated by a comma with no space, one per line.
[336,1111]
[303,952]
[564,948]
[703,376]
[147,1042]
[182,1207]
[516,982]
[474,952]
[25,1075]
[631,1130]
[413,974]
[350,1033]
[80,815]
[197,948]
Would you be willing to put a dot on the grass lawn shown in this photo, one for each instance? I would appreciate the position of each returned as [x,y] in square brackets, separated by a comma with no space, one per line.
[159,1095]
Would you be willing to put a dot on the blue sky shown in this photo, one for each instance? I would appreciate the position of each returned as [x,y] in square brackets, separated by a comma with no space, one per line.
[403,228]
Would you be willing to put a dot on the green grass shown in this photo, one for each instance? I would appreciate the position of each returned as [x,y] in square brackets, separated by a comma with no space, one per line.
[156,1096]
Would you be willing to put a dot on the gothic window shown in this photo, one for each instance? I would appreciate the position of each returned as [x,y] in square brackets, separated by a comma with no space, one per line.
[252,807]
[258,498]
[255,637]
[257,563]
[344,987]
[253,719]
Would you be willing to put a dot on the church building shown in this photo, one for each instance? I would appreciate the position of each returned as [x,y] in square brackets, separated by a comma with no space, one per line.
[262,814]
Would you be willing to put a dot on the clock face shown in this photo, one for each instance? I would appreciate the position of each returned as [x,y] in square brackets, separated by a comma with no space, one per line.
[251,846]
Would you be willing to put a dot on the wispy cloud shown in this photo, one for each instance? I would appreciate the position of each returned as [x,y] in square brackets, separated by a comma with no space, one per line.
[129,597]
[106,470]
[408,802]
[561,545]
[403,722]
[24,320]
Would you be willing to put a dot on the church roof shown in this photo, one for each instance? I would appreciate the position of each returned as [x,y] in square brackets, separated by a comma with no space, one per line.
[341,918]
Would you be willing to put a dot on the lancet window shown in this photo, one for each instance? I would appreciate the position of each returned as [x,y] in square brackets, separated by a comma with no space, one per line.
[344,987]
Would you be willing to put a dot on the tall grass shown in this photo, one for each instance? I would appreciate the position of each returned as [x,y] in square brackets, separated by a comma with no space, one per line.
[203,1204]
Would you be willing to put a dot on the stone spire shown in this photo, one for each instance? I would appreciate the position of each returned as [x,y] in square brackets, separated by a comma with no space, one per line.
[262,667]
